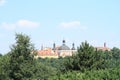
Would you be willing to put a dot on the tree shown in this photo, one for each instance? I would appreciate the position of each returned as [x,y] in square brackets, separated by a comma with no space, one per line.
[87,58]
[116,53]
[116,56]
[4,70]
[21,59]
[0,54]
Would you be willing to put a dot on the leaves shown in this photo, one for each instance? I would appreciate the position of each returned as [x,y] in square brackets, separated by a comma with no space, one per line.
[107,74]
[87,64]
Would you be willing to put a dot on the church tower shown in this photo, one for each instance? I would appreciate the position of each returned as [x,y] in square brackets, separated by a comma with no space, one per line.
[73,46]
[54,47]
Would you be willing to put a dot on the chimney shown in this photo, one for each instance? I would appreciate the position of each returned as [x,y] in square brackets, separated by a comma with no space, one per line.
[104,44]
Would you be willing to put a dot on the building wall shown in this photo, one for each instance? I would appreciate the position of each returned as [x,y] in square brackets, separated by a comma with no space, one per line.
[63,53]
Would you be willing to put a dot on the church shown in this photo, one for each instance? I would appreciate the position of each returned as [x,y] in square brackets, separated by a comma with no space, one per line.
[62,51]
[57,51]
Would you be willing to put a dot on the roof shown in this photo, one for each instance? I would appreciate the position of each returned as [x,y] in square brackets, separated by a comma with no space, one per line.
[64,47]
[103,48]
[47,52]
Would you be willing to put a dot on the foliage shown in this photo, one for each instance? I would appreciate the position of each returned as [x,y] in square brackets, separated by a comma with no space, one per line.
[87,64]
[19,63]
[0,55]
[44,72]
[115,56]
[87,58]
[107,74]
[4,70]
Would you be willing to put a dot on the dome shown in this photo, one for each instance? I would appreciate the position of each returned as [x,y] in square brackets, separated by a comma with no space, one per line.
[64,47]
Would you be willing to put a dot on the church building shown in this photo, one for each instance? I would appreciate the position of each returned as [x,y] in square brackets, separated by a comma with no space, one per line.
[57,51]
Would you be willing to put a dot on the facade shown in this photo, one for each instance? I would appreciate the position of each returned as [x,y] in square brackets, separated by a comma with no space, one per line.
[55,52]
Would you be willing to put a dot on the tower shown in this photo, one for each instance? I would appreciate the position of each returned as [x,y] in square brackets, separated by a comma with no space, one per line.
[104,44]
[54,47]
[73,46]
[42,47]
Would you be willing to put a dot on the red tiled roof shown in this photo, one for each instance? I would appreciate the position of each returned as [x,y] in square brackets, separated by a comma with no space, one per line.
[103,48]
[47,52]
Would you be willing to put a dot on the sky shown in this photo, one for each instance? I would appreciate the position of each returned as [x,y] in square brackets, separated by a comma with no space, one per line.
[51,21]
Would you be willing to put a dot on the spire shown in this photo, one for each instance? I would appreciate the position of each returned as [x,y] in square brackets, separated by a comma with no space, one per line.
[63,42]
[42,47]
[54,46]
[104,44]
[73,46]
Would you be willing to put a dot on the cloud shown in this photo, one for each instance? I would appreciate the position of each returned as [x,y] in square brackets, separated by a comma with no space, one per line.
[2,2]
[20,24]
[26,23]
[72,24]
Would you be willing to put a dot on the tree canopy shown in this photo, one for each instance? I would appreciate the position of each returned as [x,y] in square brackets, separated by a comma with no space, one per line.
[87,63]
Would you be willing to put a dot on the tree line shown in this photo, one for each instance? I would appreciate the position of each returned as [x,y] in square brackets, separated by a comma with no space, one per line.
[87,63]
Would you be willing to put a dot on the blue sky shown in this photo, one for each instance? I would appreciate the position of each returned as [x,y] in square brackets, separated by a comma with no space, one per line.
[49,21]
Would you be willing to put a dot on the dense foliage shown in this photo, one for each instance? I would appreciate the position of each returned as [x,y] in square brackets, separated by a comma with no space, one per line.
[87,63]
[107,74]
[20,64]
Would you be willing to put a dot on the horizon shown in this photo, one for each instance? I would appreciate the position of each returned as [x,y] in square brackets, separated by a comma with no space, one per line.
[50,21]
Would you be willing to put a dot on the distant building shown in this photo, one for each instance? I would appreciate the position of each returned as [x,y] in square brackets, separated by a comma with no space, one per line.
[104,48]
[55,52]
[62,51]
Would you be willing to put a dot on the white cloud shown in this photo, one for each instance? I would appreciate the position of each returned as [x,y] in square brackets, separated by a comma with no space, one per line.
[72,24]
[2,2]
[26,23]
[20,24]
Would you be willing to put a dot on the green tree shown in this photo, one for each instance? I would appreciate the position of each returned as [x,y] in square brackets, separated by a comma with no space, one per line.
[68,63]
[85,56]
[4,69]
[21,61]
[116,53]
[116,56]
[99,59]
[0,54]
